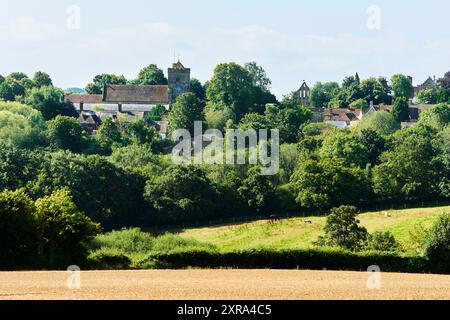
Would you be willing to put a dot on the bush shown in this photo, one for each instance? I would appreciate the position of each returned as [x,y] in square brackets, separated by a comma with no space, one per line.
[382,241]
[107,259]
[313,259]
[137,245]
[437,245]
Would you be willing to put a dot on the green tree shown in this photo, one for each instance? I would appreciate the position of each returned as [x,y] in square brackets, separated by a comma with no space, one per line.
[437,244]
[157,113]
[407,171]
[42,79]
[142,133]
[259,76]
[18,236]
[96,87]
[21,125]
[376,90]
[402,86]
[253,121]
[150,75]
[288,120]
[359,104]
[185,111]
[437,117]
[257,190]
[66,133]
[64,232]
[109,136]
[321,94]
[427,96]
[182,193]
[48,100]
[342,229]
[198,89]
[382,122]
[231,87]
[400,110]
[6,92]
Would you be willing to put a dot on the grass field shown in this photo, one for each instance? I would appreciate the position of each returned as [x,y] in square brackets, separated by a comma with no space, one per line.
[221,284]
[406,225]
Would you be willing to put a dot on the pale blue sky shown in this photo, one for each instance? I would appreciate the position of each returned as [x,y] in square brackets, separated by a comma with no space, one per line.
[293,40]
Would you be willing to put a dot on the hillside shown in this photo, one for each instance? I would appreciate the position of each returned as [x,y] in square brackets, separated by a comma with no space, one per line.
[406,225]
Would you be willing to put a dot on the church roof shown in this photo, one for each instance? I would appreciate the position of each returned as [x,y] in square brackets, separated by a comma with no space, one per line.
[136,94]
[84,98]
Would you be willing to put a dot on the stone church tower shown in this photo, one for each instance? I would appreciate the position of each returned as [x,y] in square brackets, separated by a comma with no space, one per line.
[179,79]
[304,91]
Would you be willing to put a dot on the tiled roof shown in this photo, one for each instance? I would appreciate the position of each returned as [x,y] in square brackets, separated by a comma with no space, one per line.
[84,98]
[137,94]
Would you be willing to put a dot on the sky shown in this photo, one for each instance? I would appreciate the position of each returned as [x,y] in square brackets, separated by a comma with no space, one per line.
[294,40]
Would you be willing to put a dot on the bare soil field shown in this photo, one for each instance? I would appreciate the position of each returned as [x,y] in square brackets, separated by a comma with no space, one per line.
[220,284]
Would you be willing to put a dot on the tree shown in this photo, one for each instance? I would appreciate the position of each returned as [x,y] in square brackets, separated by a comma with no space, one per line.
[157,113]
[382,122]
[182,193]
[427,96]
[96,87]
[2,79]
[18,237]
[407,171]
[185,111]
[66,133]
[231,87]
[48,100]
[321,94]
[437,117]
[42,79]
[359,104]
[345,147]
[288,120]
[376,90]
[342,229]
[253,121]
[259,76]
[374,143]
[64,232]
[402,86]
[198,89]
[21,125]
[142,133]
[150,75]
[6,92]
[109,136]
[400,110]
[257,190]
[323,184]
[437,244]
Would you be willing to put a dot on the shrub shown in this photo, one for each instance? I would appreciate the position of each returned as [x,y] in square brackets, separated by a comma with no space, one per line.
[437,244]
[107,259]
[312,259]
[382,241]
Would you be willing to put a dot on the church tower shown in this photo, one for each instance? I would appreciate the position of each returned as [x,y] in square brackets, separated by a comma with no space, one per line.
[303,97]
[179,79]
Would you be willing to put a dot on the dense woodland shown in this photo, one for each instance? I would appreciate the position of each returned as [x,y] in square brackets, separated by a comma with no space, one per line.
[60,187]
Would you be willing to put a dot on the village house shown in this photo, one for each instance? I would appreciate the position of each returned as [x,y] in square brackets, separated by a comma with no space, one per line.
[346,117]
[131,100]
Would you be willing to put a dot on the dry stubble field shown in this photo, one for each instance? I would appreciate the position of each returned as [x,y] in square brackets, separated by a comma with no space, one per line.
[221,284]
